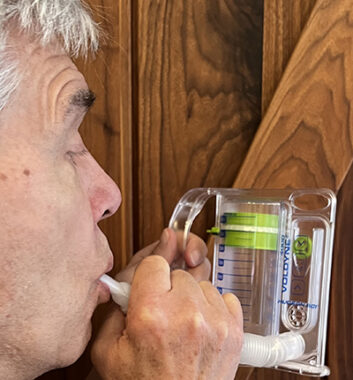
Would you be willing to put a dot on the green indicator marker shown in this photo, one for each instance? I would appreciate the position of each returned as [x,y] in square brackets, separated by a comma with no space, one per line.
[252,219]
[248,230]
[214,231]
[251,240]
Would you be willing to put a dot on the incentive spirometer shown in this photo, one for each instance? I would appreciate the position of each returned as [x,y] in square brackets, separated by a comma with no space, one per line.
[273,250]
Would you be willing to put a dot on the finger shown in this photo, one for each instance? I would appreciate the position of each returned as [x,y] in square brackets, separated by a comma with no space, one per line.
[167,247]
[140,255]
[195,251]
[212,295]
[201,272]
[234,306]
[183,282]
[127,274]
[110,330]
[152,278]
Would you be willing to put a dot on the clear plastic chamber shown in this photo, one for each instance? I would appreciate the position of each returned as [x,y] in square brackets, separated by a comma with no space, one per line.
[273,250]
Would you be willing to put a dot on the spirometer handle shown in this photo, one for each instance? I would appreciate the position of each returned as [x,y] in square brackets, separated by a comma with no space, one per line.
[187,210]
[184,215]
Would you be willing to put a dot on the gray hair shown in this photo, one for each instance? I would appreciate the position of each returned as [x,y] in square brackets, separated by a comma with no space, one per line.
[69,21]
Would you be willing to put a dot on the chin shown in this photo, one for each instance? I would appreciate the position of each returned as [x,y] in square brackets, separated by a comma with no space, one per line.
[75,347]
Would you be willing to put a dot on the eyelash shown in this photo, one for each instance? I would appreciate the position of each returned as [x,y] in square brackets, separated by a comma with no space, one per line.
[72,155]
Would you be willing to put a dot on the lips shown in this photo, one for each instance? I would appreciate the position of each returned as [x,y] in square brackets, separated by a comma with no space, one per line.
[110,264]
[104,293]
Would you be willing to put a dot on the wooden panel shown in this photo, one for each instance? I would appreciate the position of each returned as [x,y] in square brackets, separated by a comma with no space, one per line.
[107,132]
[302,117]
[306,136]
[340,338]
[283,24]
[197,93]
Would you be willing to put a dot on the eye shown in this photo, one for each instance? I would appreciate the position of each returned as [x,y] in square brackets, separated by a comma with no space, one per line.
[72,155]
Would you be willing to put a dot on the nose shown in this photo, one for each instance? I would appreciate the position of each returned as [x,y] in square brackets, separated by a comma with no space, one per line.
[105,197]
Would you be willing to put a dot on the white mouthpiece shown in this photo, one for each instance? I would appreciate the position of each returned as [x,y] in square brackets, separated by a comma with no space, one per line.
[120,291]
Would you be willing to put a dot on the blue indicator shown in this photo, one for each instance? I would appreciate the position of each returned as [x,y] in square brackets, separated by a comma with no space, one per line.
[220,290]
[223,219]
[220,276]
[221,248]
[220,262]
[222,234]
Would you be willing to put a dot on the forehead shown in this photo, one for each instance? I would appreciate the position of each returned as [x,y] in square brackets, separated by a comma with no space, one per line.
[46,62]
[49,64]
[49,78]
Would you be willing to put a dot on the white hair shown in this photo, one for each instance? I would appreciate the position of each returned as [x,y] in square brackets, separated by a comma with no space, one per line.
[69,21]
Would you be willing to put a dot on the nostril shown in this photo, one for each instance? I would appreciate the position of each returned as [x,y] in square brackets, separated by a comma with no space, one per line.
[106,213]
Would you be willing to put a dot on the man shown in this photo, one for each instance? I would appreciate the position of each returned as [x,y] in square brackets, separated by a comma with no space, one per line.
[52,253]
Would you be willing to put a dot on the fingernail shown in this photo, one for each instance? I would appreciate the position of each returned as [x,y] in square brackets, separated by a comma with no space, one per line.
[195,257]
[165,237]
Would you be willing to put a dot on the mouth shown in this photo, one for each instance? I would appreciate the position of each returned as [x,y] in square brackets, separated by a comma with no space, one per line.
[104,292]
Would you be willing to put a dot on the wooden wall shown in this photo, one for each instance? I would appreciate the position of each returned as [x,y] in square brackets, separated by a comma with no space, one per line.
[197,100]
[181,89]
[305,140]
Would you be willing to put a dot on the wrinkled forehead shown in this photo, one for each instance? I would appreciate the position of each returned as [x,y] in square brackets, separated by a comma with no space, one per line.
[49,78]
[33,57]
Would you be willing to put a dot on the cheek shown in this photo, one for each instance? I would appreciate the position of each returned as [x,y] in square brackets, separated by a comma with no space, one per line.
[48,212]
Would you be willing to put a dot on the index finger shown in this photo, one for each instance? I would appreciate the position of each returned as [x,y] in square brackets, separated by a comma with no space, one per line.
[152,277]
[195,251]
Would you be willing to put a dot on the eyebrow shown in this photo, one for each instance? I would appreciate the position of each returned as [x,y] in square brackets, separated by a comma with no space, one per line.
[83,99]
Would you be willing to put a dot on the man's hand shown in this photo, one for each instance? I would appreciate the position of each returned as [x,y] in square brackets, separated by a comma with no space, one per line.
[195,255]
[175,328]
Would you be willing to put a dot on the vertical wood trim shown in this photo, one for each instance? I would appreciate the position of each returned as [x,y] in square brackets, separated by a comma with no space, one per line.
[283,23]
[126,148]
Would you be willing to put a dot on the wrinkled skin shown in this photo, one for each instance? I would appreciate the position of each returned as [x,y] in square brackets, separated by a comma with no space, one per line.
[175,328]
[53,195]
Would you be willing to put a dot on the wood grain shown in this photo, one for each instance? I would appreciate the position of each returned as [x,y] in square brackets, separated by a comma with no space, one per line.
[340,334]
[197,95]
[283,24]
[303,75]
[305,138]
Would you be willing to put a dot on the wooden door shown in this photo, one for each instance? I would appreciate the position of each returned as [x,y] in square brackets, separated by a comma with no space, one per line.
[181,89]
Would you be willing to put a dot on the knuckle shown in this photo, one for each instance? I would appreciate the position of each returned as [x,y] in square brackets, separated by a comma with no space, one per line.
[231,298]
[197,325]
[148,322]
[179,274]
[206,286]
[155,260]
[222,331]
[153,263]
